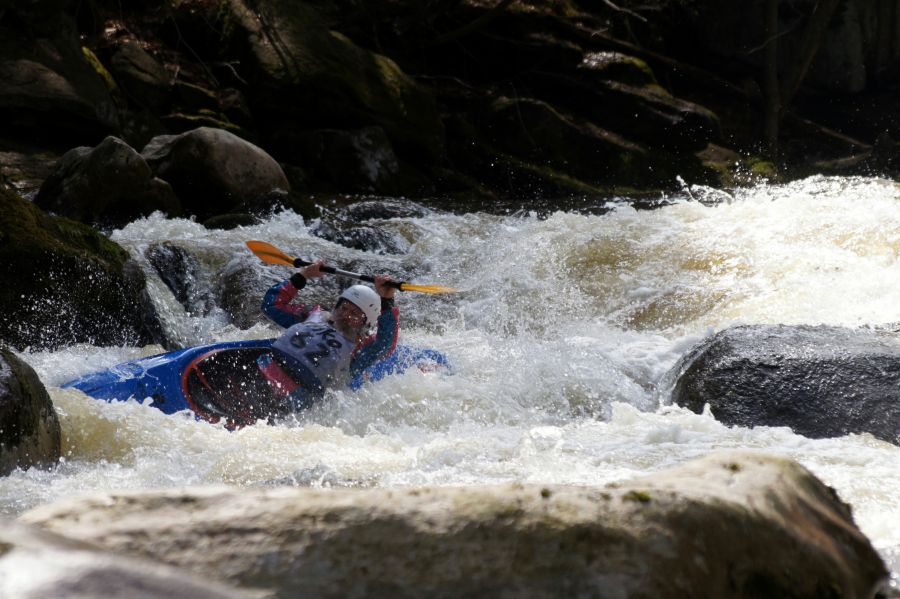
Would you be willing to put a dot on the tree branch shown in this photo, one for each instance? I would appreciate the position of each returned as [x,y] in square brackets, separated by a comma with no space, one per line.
[812,38]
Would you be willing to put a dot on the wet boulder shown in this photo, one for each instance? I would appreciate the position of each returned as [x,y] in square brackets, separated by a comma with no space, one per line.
[359,225]
[385,208]
[367,238]
[183,275]
[241,289]
[226,222]
[213,171]
[676,533]
[66,283]
[36,564]
[29,428]
[820,381]
[110,184]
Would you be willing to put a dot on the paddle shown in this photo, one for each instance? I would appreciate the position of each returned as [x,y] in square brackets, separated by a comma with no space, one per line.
[270,254]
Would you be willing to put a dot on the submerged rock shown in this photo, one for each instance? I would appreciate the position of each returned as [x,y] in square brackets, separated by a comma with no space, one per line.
[820,381]
[359,225]
[731,525]
[36,564]
[29,428]
[183,275]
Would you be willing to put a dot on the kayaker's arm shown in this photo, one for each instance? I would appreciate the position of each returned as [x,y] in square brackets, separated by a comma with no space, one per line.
[380,345]
[277,304]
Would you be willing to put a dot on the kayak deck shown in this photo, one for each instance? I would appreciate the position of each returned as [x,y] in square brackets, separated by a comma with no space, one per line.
[223,382]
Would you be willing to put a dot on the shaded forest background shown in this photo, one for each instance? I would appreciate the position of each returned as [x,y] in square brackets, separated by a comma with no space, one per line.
[476,103]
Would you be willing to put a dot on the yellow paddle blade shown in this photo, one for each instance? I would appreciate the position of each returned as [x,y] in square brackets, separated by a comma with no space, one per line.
[434,289]
[268,253]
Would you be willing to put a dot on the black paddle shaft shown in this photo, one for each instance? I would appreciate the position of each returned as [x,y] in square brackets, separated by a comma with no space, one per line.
[345,273]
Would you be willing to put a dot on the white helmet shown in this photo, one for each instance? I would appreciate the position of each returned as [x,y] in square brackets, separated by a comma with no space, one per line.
[365,299]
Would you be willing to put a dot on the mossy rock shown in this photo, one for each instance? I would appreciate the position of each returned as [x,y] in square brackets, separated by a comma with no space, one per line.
[315,78]
[66,283]
[54,92]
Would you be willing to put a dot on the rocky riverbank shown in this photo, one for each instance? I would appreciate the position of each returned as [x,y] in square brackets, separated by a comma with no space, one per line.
[478,103]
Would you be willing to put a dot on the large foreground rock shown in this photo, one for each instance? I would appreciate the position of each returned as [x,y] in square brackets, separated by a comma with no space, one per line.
[733,525]
[819,381]
[65,283]
[35,564]
[29,428]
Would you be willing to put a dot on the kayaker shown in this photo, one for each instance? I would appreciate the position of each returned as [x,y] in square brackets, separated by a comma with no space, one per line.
[322,350]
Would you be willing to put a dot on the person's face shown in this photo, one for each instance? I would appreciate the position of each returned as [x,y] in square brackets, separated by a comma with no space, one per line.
[348,315]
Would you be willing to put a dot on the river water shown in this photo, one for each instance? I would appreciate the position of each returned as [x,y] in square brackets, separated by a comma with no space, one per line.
[562,331]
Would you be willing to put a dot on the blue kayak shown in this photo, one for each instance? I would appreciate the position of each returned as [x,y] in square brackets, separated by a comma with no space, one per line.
[221,381]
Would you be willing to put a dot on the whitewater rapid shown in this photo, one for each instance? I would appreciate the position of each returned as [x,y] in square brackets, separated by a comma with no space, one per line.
[564,327]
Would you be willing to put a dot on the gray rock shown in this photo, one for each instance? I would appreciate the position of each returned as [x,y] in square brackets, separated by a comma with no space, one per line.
[35,564]
[183,275]
[241,289]
[29,428]
[819,381]
[110,184]
[359,225]
[213,171]
[731,525]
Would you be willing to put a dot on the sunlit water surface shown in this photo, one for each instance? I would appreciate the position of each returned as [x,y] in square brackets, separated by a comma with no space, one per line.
[560,336]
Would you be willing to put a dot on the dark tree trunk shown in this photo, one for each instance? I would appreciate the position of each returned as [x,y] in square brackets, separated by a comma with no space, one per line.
[771,89]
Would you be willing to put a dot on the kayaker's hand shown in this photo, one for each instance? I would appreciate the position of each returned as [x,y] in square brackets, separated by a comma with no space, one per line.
[312,271]
[385,291]
[298,281]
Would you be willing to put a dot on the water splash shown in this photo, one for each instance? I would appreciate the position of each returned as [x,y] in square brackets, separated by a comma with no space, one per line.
[561,333]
